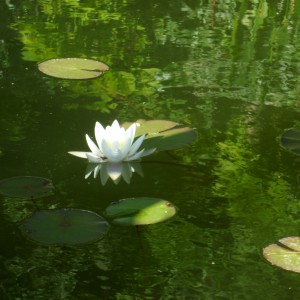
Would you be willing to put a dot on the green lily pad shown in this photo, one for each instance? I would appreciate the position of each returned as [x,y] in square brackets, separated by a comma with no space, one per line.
[287,257]
[73,68]
[163,134]
[140,211]
[290,140]
[25,187]
[64,226]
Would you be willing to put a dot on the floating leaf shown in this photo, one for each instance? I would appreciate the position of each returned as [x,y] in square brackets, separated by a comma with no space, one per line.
[292,242]
[151,126]
[25,187]
[288,257]
[73,68]
[290,140]
[163,135]
[140,211]
[64,226]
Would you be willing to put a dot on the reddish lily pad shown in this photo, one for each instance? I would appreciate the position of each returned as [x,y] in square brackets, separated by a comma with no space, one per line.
[287,257]
[163,134]
[64,226]
[73,68]
[26,187]
[140,211]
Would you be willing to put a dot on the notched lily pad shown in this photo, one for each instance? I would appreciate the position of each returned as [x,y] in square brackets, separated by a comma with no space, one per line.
[64,226]
[287,257]
[163,134]
[140,211]
[26,187]
[73,68]
[290,140]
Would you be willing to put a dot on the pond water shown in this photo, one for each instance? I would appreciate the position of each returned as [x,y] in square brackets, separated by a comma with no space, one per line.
[229,69]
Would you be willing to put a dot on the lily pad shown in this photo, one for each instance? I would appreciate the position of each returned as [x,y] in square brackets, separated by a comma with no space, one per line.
[140,211]
[25,187]
[287,257]
[290,140]
[163,134]
[73,68]
[64,226]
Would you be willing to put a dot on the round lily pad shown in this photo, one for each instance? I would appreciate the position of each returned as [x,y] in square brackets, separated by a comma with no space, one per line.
[287,257]
[163,134]
[73,68]
[64,226]
[25,187]
[290,140]
[140,211]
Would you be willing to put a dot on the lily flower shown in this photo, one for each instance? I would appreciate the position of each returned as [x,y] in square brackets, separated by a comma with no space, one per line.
[114,171]
[114,144]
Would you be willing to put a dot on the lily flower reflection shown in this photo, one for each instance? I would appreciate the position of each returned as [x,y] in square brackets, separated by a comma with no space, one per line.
[114,144]
[115,171]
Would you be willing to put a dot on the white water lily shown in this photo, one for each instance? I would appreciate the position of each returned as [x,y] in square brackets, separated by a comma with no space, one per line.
[114,144]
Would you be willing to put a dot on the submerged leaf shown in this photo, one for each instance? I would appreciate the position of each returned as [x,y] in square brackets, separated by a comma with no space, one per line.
[25,187]
[140,211]
[288,257]
[73,68]
[163,135]
[64,226]
[290,140]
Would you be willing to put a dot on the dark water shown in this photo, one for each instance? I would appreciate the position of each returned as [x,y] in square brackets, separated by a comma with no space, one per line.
[230,69]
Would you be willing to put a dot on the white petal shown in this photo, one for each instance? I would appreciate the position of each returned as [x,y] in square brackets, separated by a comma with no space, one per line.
[117,157]
[148,152]
[114,170]
[125,149]
[105,148]
[136,166]
[96,170]
[93,159]
[140,154]
[112,153]
[99,133]
[79,154]
[136,145]
[121,134]
[92,146]
[117,180]
[115,125]
[113,130]
[136,156]
[89,170]
[126,172]
[128,136]
[103,174]
[130,133]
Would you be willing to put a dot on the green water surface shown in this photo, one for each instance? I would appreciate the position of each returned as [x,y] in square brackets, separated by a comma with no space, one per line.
[229,69]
